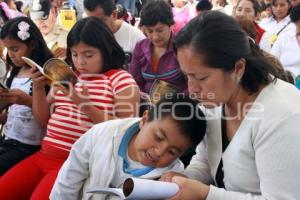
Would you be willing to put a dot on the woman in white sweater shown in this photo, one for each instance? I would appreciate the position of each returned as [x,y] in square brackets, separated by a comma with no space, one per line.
[252,145]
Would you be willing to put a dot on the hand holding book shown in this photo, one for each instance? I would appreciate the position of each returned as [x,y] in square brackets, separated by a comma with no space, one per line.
[135,188]
[56,70]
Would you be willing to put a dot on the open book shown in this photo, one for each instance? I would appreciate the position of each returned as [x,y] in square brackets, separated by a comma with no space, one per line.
[55,70]
[136,188]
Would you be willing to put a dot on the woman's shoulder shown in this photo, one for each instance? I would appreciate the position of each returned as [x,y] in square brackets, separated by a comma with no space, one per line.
[280,98]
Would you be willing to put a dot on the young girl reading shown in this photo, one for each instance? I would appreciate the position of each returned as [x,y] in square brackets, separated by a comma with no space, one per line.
[144,147]
[22,133]
[104,91]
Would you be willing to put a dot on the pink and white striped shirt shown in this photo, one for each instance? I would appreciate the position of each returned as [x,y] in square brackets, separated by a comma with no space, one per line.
[67,123]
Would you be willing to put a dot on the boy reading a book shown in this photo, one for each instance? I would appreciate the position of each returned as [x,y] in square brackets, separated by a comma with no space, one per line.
[146,147]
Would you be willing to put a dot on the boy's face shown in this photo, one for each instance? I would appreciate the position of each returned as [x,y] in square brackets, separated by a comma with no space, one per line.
[159,142]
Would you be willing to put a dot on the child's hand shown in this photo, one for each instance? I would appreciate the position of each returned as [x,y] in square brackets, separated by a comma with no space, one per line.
[79,98]
[60,52]
[2,90]
[38,80]
[16,96]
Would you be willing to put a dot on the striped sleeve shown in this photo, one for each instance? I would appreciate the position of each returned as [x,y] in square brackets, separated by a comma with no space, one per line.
[121,80]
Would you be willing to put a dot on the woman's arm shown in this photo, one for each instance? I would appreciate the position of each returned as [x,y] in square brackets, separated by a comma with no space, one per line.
[135,66]
[277,153]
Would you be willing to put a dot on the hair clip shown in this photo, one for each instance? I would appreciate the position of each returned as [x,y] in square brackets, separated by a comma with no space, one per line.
[23,33]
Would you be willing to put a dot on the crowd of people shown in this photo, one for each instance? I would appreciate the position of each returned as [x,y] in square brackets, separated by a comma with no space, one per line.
[204,94]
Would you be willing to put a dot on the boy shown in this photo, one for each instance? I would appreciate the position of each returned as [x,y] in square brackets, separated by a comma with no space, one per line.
[144,147]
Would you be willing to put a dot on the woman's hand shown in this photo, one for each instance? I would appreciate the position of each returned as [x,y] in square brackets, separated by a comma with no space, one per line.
[189,189]
[16,96]
[167,177]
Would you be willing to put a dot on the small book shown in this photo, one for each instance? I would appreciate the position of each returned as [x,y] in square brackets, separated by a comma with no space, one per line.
[56,70]
[136,188]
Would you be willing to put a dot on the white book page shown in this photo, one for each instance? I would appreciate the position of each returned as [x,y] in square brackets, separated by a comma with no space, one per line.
[31,63]
[109,191]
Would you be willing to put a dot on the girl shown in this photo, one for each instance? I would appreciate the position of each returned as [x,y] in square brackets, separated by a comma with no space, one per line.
[22,133]
[104,91]
[279,22]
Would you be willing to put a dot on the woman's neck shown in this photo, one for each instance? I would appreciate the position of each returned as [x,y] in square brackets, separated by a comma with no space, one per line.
[279,19]
[240,103]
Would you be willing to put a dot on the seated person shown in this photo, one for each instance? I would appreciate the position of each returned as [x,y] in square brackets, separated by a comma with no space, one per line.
[154,58]
[45,17]
[146,147]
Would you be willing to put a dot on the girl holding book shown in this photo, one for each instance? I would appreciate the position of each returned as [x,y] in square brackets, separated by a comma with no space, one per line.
[104,91]
[22,133]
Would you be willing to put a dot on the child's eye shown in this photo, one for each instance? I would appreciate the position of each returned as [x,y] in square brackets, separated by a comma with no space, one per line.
[88,55]
[158,137]
[15,49]
[74,55]
[201,78]
[173,152]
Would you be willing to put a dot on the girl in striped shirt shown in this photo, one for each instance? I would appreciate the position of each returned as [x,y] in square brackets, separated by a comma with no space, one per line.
[104,91]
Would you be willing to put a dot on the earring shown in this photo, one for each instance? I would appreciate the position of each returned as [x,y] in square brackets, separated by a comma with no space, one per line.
[238,79]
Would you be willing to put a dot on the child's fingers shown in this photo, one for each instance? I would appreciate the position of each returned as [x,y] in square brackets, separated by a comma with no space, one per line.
[85,90]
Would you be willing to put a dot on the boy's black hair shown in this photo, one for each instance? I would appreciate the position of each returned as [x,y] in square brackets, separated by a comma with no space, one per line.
[93,32]
[185,112]
[108,6]
[295,14]
[203,5]
[156,11]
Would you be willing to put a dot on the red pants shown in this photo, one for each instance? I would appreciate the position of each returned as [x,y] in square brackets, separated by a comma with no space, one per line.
[32,178]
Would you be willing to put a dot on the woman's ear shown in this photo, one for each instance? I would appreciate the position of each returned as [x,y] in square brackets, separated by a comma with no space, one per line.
[240,68]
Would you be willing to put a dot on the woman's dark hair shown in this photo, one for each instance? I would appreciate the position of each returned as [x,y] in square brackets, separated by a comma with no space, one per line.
[93,32]
[256,5]
[40,52]
[156,11]
[221,40]
[186,114]
[249,27]
[295,14]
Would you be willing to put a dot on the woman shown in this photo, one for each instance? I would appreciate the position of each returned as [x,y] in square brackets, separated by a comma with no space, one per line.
[252,146]
[249,10]
[280,21]
[287,47]
[154,57]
